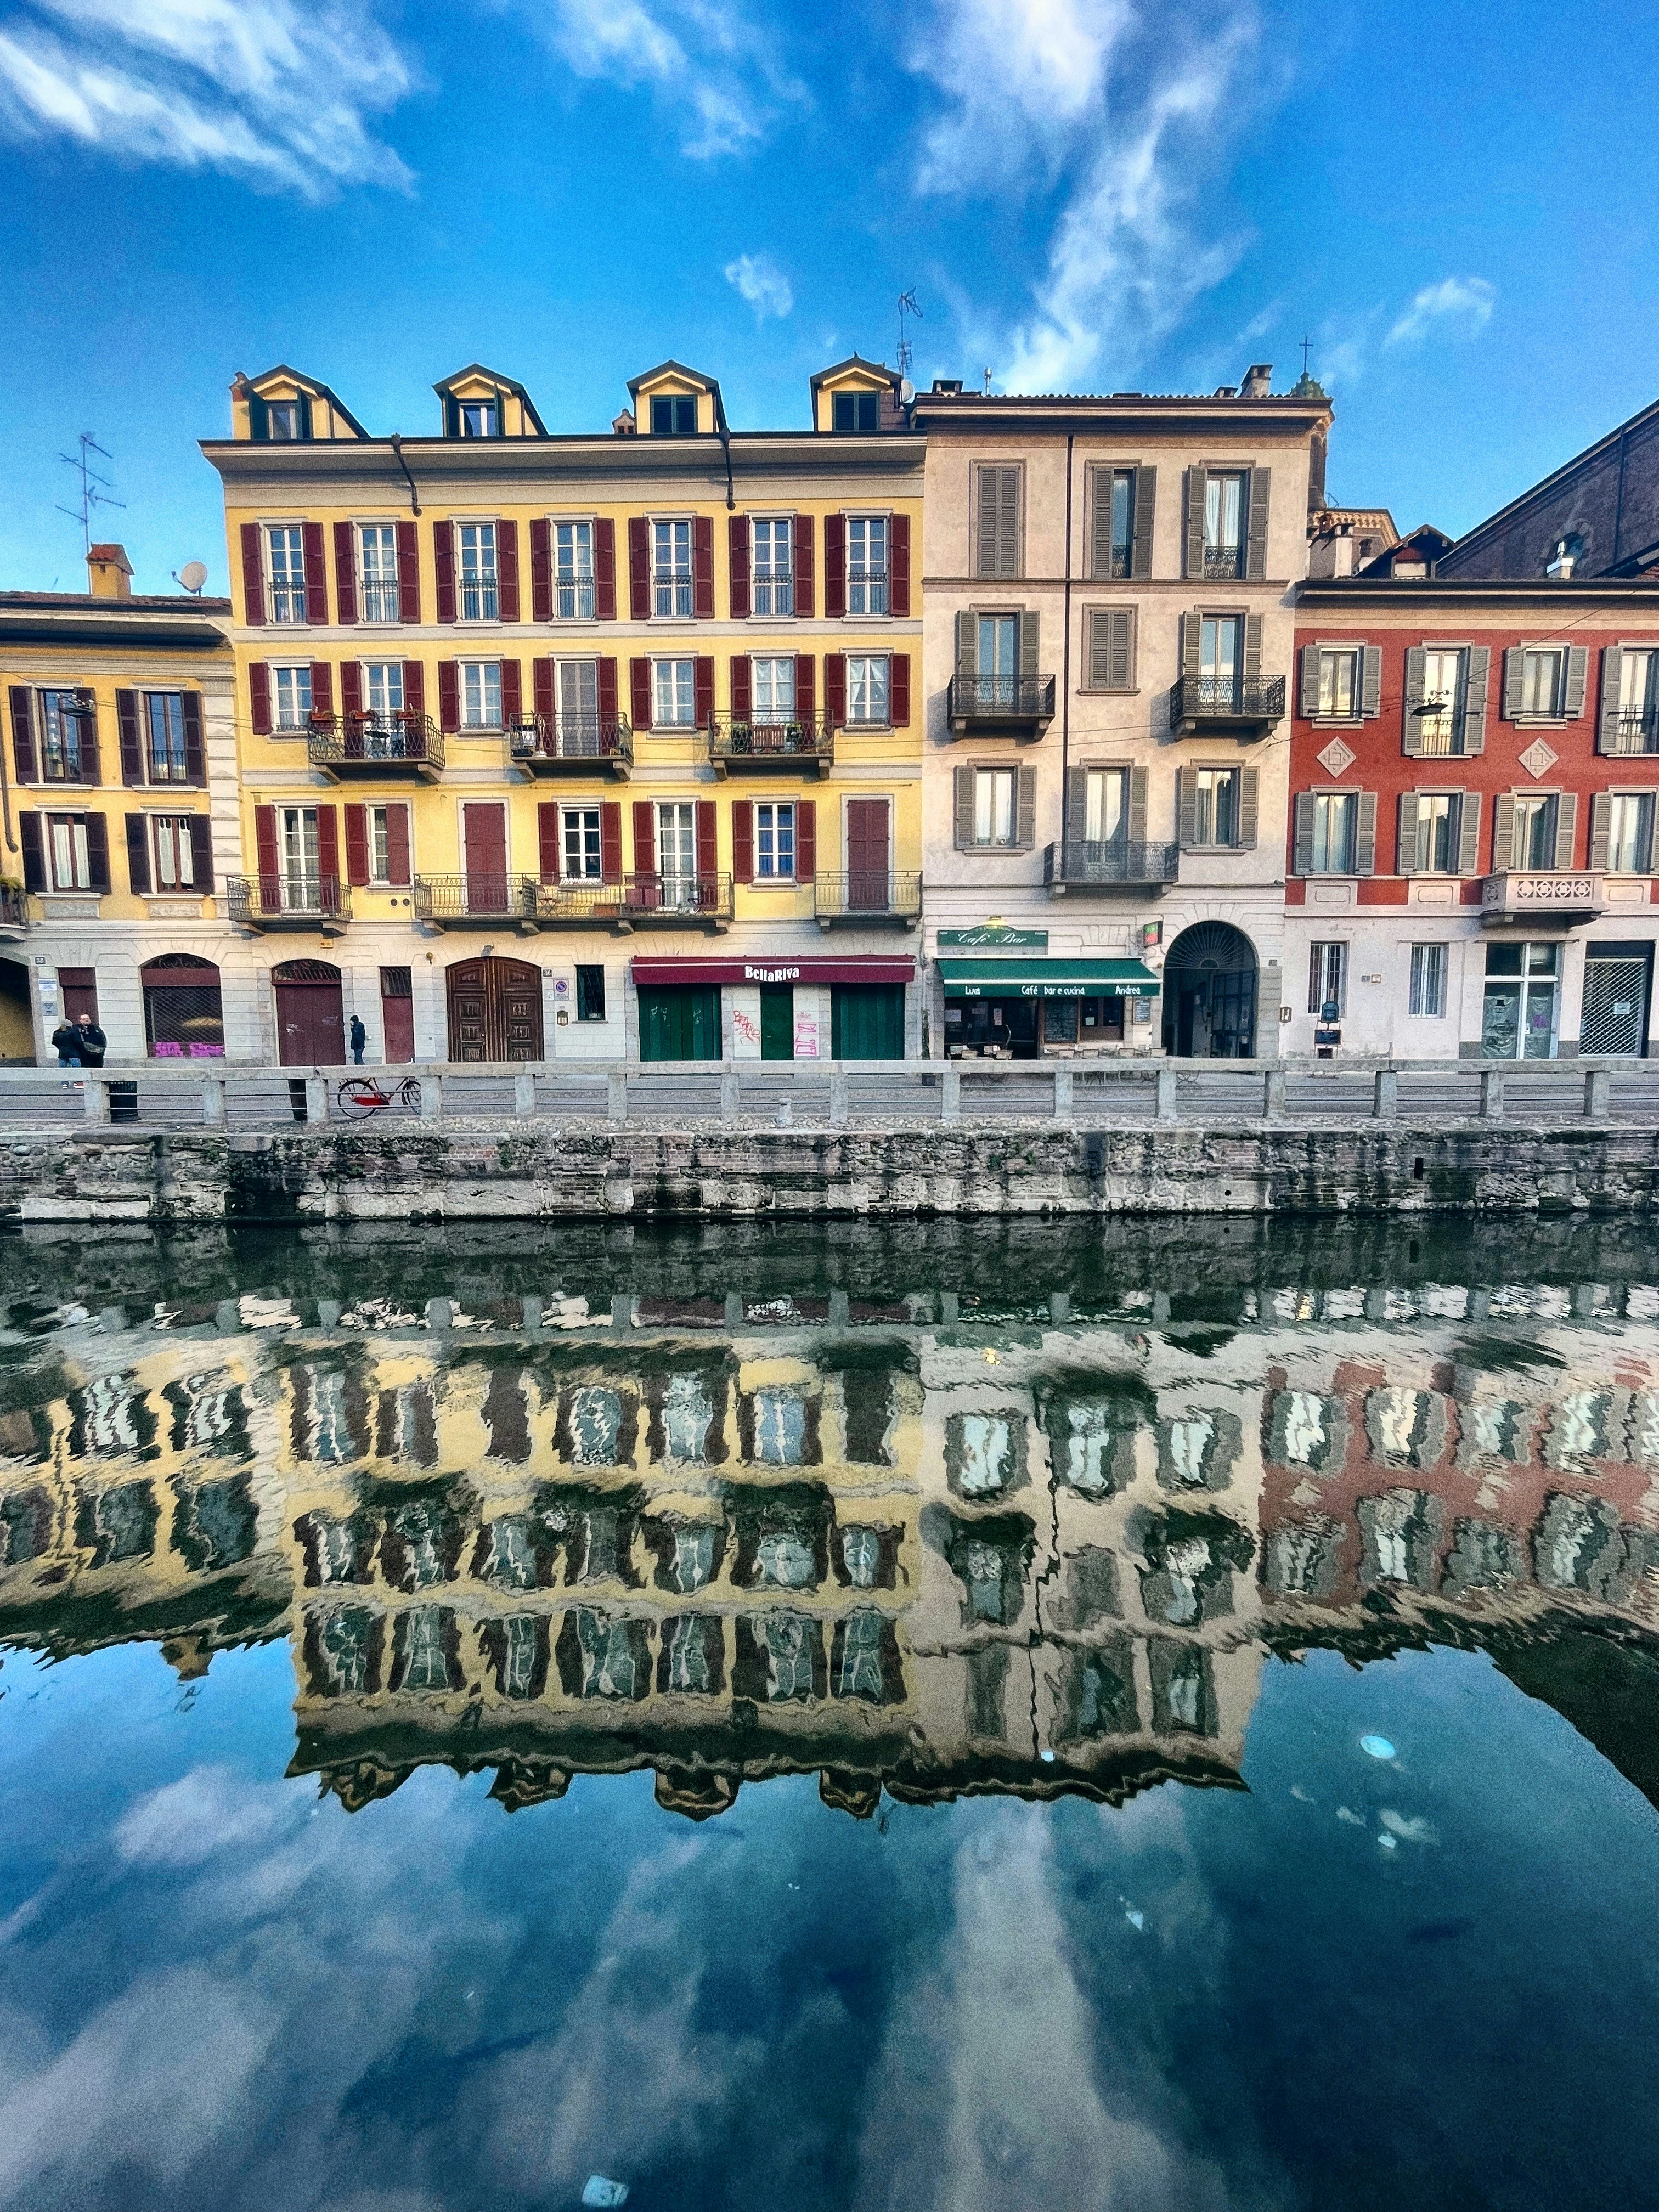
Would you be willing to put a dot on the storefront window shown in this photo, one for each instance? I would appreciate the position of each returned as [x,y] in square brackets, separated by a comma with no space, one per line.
[1519,1016]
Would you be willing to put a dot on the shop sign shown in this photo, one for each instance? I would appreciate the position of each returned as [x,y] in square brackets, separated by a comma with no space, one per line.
[996,933]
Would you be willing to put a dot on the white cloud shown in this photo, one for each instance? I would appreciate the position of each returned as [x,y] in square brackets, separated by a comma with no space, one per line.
[1127,107]
[1464,302]
[760,281]
[715,71]
[273,91]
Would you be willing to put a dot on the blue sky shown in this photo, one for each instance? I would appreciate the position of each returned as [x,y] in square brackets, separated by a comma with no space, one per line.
[1451,199]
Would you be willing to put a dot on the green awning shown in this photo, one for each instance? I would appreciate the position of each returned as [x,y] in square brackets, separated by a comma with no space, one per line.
[1048,979]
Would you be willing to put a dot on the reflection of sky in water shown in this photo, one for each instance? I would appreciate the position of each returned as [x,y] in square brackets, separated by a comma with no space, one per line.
[688,1412]
[780,1427]
[986,1452]
[218,1990]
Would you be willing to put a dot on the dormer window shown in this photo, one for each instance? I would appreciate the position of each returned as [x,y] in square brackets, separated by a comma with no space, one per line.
[858,411]
[282,419]
[478,418]
[673,418]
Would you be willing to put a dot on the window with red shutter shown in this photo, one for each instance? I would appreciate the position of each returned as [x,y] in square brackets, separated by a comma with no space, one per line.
[807,686]
[898,690]
[834,566]
[547,841]
[806,840]
[346,572]
[898,564]
[737,536]
[512,693]
[743,841]
[708,839]
[415,686]
[702,566]
[253,575]
[639,568]
[264,845]
[409,573]
[23,731]
[443,568]
[131,742]
[506,569]
[356,829]
[351,687]
[605,569]
[259,685]
[328,848]
[610,866]
[609,715]
[835,688]
[542,671]
[743,688]
[803,565]
[449,696]
[322,687]
[396,844]
[316,576]
[645,838]
[541,570]
[639,673]
[704,693]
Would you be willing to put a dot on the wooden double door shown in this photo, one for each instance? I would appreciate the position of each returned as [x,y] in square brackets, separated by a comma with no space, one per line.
[495,1010]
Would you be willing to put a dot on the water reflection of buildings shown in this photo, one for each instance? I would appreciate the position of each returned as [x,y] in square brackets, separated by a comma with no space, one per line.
[907,1549]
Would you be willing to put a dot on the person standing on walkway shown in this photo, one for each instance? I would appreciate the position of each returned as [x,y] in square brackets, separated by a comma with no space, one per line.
[359,1038]
[66,1043]
[94,1044]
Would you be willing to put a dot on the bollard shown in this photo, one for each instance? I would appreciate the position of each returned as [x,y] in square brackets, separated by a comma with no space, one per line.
[1385,1094]
[616,1096]
[94,1100]
[524,1093]
[730,1102]
[316,1098]
[839,1107]
[432,1097]
[1598,1091]
[213,1102]
[1492,1094]
[950,1104]
[1273,1094]
[1063,1096]
[1164,1105]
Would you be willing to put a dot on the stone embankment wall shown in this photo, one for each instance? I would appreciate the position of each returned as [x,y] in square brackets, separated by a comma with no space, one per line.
[548,1173]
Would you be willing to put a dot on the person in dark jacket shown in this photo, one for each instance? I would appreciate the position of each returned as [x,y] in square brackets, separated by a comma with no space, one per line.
[359,1038]
[66,1043]
[93,1043]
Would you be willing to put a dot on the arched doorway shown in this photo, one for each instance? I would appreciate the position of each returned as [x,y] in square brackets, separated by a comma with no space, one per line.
[310,1014]
[184,1014]
[1209,994]
[495,1010]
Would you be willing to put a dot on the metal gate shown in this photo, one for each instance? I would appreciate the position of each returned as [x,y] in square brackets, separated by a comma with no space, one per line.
[1617,978]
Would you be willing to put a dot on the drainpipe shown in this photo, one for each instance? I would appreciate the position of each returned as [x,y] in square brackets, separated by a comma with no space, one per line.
[1065,668]
[5,803]
[723,432]
[397,448]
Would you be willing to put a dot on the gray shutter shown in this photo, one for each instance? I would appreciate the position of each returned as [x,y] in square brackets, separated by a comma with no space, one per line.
[1191,639]
[1577,670]
[1100,519]
[1252,648]
[1140,559]
[967,642]
[989,488]
[1121,665]
[1468,828]
[1474,699]
[1026,825]
[1194,560]
[1502,832]
[1187,807]
[1256,560]
[1371,683]
[1100,648]
[1365,859]
[998,521]
[1406,858]
[964,778]
[1310,682]
[1301,852]
[1600,824]
[1029,631]
[1250,782]
[1077,809]
[1566,828]
[1416,663]
[1613,669]
[1514,671]
[1137,806]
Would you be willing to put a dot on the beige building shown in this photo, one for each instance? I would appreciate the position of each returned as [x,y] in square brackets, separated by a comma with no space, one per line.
[1108,636]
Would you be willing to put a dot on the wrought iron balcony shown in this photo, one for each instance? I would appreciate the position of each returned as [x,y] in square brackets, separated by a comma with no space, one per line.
[1226,705]
[376,746]
[15,914]
[1109,864]
[1222,564]
[867,591]
[310,903]
[872,899]
[486,899]
[1016,706]
[523,903]
[743,745]
[1636,730]
[578,744]
[659,899]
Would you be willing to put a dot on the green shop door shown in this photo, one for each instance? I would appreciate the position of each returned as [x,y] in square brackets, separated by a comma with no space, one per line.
[866,1021]
[680,1022]
[777,1021]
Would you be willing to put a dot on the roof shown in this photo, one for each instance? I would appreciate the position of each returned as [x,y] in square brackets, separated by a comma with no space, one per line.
[671,367]
[145,602]
[1643,416]
[446,385]
[242,381]
[855,360]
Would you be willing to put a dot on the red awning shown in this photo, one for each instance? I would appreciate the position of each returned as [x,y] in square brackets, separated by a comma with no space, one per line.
[870,968]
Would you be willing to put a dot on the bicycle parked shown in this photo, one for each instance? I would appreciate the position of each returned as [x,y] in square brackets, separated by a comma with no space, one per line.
[361,1095]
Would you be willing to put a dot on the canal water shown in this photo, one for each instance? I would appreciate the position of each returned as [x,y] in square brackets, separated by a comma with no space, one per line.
[1141,1716]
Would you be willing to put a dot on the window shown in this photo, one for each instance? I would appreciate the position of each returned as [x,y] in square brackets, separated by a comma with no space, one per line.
[670,569]
[1543,680]
[1215,805]
[573,571]
[383,832]
[164,728]
[1534,845]
[378,544]
[674,692]
[383,689]
[70,866]
[1339,683]
[61,757]
[995,796]
[174,851]
[674,418]
[1630,833]
[1518,1016]
[1440,717]
[590,993]
[1439,833]
[677,851]
[866,564]
[301,883]
[999,660]
[583,861]
[858,411]
[284,419]
[1639,698]
[481,695]
[1220,659]
[773,687]
[1327,978]
[866,689]
[997,493]
[774,842]
[1225,511]
[1116,493]
[1111,648]
[291,697]
[1428,979]
[286,565]
[772,589]
[1335,822]
[477,418]
[1106,806]
[478,576]
[578,696]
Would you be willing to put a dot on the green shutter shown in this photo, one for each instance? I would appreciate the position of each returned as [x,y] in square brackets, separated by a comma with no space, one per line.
[866,1021]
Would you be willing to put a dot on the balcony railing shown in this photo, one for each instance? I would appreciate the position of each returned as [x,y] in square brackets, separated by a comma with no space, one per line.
[542,743]
[378,599]
[867,591]
[1636,730]
[287,901]
[1222,564]
[1109,864]
[399,744]
[672,595]
[678,898]
[1022,704]
[476,599]
[1545,894]
[1227,702]
[871,899]
[748,743]
[14,913]
[524,903]
[572,599]
[482,895]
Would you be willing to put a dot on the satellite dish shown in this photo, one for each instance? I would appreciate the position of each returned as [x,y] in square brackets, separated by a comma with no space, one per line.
[193,575]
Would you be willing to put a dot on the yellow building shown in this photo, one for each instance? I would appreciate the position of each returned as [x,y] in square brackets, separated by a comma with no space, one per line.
[579,747]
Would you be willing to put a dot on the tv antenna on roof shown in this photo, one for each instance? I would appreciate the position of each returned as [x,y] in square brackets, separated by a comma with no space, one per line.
[908,304]
[94,490]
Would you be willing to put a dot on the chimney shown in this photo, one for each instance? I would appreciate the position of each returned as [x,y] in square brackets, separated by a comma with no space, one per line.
[1258,381]
[109,572]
